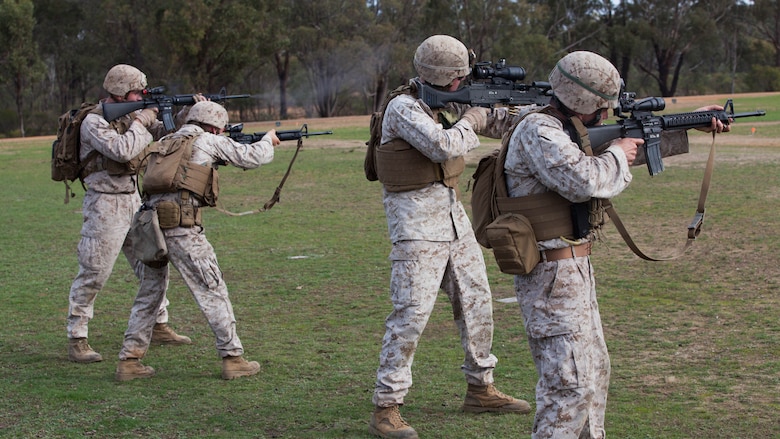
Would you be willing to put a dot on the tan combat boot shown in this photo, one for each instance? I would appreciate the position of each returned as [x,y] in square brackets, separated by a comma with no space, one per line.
[481,399]
[81,352]
[164,334]
[234,367]
[386,422]
[131,369]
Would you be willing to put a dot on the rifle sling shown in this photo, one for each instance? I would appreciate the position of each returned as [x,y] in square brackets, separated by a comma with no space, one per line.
[693,229]
[275,197]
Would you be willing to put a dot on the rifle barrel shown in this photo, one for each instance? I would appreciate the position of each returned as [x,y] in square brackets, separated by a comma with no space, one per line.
[748,114]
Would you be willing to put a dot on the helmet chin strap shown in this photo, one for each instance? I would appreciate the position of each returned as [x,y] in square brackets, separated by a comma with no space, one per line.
[555,102]
[596,120]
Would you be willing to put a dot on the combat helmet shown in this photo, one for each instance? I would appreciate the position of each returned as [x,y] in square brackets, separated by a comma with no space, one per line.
[440,59]
[586,82]
[122,79]
[209,113]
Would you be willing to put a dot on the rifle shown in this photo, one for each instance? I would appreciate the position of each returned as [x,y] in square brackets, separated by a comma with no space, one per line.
[490,85]
[156,98]
[642,124]
[234,132]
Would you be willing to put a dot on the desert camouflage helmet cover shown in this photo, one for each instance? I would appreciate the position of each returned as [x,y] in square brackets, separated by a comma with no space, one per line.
[586,82]
[208,112]
[440,59]
[122,79]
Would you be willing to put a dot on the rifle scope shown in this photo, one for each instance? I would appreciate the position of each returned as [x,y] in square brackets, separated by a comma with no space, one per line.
[648,104]
[483,70]
[153,90]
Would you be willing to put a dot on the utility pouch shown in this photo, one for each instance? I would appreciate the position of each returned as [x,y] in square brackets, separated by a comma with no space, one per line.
[580,219]
[187,215]
[166,166]
[169,214]
[513,241]
[147,238]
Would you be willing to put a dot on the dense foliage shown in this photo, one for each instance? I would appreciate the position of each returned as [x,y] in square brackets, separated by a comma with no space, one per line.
[340,57]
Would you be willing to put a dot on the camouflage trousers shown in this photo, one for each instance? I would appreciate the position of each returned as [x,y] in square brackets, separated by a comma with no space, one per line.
[566,339]
[107,219]
[193,256]
[419,270]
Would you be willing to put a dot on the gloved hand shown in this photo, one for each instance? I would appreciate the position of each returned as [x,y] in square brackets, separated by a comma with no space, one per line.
[477,117]
[147,116]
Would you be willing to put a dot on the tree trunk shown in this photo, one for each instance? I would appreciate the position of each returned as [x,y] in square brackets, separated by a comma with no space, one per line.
[282,61]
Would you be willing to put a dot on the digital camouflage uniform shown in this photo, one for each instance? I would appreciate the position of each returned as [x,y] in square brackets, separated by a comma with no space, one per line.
[193,256]
[558,299]
[433,247]
[108,208]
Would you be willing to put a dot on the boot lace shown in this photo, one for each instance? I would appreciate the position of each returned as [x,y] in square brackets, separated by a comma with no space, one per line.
[393,416]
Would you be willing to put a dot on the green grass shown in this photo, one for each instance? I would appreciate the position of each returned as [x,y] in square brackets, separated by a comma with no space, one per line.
[694,342]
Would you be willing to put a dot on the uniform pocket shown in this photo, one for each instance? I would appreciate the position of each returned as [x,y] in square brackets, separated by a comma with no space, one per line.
[561,357]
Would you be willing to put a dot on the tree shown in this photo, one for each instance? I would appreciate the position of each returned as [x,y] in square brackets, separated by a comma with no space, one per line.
[672,30]
[393,37]
[19,61]
[60,35]
[327,40]
[211,44]
[766,22]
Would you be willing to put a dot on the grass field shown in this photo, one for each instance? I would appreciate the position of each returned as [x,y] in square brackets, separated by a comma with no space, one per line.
[694,343]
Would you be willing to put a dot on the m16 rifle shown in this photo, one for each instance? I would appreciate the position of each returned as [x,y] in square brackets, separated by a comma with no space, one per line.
[155,97]
[235,133]
[490,85]
[642,124]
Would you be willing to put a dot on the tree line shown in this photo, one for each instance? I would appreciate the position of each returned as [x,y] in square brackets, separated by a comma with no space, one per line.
[327,58]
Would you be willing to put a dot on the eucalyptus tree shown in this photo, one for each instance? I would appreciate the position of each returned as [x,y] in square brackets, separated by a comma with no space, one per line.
[764,53]
[328,39]
[672,30]
[72,69]
[394,33]
[20,65]
[209,44]
[765,18]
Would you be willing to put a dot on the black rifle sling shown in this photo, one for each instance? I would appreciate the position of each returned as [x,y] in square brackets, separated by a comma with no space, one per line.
[275,197]
[693,229]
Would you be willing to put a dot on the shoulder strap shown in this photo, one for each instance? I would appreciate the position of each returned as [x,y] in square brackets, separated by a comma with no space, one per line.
[275,197]
[693,229]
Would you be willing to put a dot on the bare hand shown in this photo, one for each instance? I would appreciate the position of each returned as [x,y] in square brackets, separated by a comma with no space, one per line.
[716,126]
[274,140]
[198,98]
[629,146]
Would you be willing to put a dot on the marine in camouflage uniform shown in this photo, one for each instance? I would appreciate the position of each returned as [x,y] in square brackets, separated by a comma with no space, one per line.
[109,204]
[558,298]
[191,253]
[433,247]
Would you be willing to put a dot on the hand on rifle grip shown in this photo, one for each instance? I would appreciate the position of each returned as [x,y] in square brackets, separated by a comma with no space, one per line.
[629,146]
